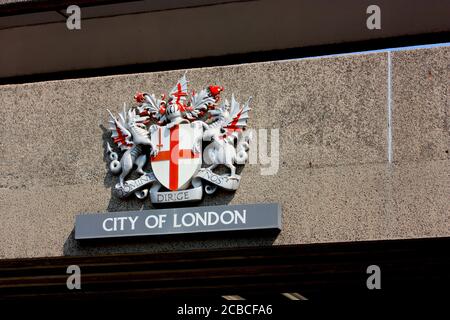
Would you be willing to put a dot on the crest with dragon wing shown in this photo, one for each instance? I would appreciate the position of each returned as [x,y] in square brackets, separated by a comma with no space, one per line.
[119,132]
[159,129]
[231,117]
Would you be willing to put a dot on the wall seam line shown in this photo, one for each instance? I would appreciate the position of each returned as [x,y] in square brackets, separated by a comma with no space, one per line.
[389,109]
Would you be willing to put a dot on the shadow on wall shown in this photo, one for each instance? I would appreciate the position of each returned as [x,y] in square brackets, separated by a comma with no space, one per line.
[162,243]
[169,243]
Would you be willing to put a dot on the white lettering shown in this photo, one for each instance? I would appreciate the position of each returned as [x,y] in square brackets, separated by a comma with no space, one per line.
[210,218]
[148,223]
[212,214]
[119,223]
[121,219]
[175,223]
[162,220]
[153,221]
[133,221]
[242,217]
[223,215]
[104,224]
[199,218]
[191,223]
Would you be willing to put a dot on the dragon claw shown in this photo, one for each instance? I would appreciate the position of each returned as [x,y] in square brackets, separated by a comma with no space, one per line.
[154,152]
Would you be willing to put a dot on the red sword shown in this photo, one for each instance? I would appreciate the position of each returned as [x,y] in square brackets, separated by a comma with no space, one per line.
[160,144]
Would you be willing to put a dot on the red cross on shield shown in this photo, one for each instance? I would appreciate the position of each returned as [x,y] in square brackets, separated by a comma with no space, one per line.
[176,163]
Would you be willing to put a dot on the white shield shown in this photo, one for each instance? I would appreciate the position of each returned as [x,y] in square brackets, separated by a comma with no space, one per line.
[177,161]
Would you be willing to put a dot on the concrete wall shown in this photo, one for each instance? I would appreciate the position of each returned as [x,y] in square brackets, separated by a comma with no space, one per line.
[343,176]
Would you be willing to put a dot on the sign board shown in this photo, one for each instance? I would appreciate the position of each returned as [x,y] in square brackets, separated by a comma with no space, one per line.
[178,221]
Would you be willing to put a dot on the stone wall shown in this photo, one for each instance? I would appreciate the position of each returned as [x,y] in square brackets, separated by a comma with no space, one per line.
[343,175]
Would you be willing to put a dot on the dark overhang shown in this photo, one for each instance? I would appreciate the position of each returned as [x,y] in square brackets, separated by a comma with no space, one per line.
[314,271]
[138,36]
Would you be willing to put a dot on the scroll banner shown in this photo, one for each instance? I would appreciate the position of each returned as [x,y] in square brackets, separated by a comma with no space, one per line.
[223,181]
[131,186]
[194,194]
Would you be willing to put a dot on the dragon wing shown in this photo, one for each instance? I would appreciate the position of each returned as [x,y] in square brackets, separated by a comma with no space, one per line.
[180,89]
[199,103]
[219,114]
[119,133]
[152,107]
[237,119]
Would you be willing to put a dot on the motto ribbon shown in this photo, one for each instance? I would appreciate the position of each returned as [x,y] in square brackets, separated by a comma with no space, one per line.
[137,187]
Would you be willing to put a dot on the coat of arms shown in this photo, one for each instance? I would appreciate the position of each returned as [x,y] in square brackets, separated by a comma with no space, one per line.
[170,148]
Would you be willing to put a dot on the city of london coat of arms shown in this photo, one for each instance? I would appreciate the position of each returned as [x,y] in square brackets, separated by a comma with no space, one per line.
[171,148]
